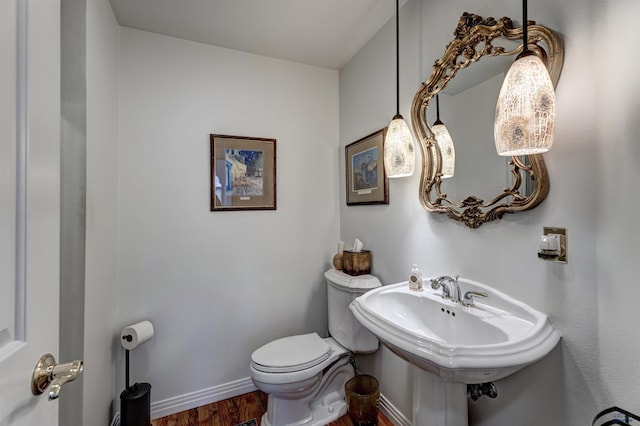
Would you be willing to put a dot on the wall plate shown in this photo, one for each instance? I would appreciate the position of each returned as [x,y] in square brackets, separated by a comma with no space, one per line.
[564,256]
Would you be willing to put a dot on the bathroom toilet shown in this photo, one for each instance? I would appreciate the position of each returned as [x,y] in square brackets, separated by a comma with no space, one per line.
[304,375]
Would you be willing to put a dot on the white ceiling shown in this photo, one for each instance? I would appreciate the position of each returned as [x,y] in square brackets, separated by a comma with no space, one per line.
[325,33]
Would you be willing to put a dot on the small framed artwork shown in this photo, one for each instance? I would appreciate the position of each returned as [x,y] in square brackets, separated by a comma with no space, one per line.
[243,173]
[367,181]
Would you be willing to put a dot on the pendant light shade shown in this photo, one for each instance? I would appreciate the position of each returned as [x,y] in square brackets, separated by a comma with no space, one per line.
[399,152]
[399,155]
[525,112]
[445,144]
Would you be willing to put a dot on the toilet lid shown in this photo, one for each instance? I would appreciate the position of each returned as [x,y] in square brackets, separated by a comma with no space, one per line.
[293,353]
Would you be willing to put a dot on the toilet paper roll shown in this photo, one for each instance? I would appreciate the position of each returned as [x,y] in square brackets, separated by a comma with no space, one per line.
[136,334]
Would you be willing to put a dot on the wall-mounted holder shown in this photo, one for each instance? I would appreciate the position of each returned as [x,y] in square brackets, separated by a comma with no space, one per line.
[553,244]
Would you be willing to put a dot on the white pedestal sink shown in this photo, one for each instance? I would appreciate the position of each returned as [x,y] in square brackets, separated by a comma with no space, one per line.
[450,345]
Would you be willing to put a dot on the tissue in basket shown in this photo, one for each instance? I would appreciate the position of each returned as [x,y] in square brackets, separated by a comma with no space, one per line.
[356,262]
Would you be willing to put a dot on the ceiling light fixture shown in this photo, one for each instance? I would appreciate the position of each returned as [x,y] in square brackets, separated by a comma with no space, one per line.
[399,152]
[525,112]
[445,144]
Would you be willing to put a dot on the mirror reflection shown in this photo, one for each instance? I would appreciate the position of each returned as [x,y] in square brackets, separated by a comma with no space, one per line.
[468,115]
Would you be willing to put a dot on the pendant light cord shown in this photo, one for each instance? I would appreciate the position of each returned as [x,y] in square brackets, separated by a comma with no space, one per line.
[437,111]
[525,39]
[397,58]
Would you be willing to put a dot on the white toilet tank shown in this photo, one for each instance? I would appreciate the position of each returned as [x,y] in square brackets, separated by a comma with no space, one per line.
[342,289]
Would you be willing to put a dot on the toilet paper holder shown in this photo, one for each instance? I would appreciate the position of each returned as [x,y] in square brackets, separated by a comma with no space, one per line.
[131,337]
[134,335]
[135,401]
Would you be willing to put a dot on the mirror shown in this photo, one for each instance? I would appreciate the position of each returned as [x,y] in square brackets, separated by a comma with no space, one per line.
[485,186]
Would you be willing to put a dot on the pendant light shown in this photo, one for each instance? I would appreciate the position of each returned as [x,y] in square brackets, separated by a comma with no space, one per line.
[399,153]
[525,112]
[445,144]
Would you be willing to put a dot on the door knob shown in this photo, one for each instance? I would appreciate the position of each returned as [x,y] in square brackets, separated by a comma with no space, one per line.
[47,372]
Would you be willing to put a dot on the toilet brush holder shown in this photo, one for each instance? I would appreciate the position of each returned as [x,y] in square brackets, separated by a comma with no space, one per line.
[135,405]
[135,401]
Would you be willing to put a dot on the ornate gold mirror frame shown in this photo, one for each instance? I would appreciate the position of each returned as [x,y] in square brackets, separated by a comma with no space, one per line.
[473,40]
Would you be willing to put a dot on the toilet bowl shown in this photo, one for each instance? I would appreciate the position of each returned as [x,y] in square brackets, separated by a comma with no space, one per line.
[310,390]
[304,375]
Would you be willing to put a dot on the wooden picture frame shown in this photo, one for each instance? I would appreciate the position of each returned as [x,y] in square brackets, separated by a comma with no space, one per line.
[366,177]
[243,173]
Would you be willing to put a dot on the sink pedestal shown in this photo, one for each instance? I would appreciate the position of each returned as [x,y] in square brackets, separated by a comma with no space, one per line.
[436,402]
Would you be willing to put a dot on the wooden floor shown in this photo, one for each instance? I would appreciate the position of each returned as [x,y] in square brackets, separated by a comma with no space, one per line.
[236,410]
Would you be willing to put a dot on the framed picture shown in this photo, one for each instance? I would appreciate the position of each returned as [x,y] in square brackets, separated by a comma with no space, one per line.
[367,181]
[243,173]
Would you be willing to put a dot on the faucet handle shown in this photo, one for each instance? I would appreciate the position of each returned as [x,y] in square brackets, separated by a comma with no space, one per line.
[467,300]
[435,283]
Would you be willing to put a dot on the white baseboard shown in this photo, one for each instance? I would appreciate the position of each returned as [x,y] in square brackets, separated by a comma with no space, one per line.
[392,413]
[229,390]
[116,420]
[202,397]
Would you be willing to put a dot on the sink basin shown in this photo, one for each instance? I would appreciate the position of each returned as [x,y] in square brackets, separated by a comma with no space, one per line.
[489,341]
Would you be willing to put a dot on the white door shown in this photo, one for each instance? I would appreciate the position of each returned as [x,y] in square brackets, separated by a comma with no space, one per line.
[29,203]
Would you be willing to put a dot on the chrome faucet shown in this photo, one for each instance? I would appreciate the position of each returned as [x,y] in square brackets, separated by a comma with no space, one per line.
[450,287]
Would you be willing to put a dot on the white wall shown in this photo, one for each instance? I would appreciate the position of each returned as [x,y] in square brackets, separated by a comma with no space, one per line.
[217,285]
[101,268]
[590,300]
[617,109]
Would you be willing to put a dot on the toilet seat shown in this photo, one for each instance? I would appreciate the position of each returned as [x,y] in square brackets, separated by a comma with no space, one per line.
[291,354]
[304,369]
